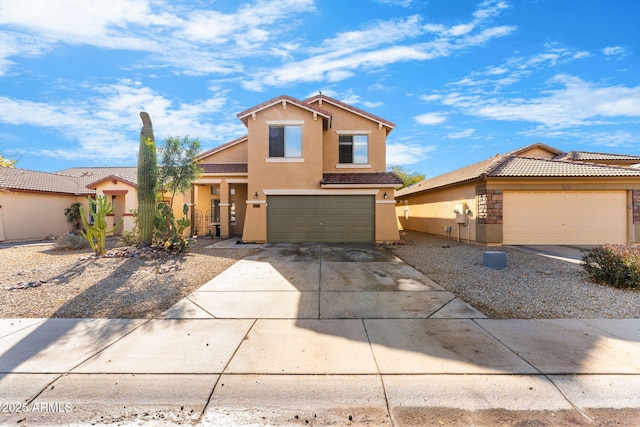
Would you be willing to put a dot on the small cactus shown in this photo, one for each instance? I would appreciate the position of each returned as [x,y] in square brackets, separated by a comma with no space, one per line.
[96,233]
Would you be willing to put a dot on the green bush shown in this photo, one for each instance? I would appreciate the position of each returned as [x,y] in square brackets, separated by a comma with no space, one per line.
[615,265]
[70,242]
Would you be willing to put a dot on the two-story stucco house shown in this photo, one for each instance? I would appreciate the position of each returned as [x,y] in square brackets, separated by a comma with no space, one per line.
[307,171]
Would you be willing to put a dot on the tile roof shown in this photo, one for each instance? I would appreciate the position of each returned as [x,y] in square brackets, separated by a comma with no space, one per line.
[27,180]
[512,165]
[591,156]
[69,181]
[89,175]
[361,178]
[351,108]
[223,168]
[467,173]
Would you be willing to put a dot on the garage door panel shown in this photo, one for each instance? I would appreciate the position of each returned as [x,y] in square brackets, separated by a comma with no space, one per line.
[320,219]
[569,217]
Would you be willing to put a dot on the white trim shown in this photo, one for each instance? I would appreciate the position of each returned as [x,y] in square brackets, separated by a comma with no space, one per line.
[255,202]
[225,204]
[284,160]
[353,132]
[285,122]
[309,192]
[358,185]
[238,181]
[353,166]
[386,202]
[208,181]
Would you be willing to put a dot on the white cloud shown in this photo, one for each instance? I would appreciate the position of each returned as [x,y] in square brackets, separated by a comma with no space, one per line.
[576,103]
[431,118]
[379,45]
[194,41]
[614,51]
[515,69]
[402,3]
[467,133]
[106,126]
[400,153]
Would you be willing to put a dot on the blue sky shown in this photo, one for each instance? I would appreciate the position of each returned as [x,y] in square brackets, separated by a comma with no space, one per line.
[463,80]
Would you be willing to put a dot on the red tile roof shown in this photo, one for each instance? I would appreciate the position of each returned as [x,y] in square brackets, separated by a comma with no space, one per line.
[383,178]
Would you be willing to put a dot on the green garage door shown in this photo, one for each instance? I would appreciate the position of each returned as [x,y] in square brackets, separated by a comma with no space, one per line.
[320,219]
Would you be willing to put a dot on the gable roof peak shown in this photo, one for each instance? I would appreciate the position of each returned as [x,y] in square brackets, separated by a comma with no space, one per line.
[540,145]
[283,99]
[324,98]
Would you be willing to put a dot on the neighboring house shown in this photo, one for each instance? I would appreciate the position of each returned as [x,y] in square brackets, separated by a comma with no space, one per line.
[536,195]
[32,203]
[308,171]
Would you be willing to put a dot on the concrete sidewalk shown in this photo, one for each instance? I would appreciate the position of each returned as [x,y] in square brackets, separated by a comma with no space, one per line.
[320,335]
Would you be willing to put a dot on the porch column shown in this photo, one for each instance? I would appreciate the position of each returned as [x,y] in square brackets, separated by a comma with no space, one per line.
[224,209]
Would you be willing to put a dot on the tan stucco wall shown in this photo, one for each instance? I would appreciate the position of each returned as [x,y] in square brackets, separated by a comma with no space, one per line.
[234,154]
[386,222]
[345,121]
[433,211]
[31,216]
[538,152]
[284,173]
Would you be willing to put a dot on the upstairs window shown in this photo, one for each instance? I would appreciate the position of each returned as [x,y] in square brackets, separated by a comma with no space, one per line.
[285,141]
[353,149]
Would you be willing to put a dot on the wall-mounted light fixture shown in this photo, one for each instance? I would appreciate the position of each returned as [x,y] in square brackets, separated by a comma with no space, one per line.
[385,195]
[255,196]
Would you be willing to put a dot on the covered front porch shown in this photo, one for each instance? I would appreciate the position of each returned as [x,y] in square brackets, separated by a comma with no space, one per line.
[219,206]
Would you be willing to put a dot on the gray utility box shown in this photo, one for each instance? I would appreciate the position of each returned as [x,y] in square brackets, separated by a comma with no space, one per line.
[495,260]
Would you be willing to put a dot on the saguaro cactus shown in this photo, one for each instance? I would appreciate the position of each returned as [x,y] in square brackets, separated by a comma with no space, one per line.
[147,170]
[96,233]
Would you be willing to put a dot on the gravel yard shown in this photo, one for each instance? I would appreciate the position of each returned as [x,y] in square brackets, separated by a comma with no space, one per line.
[75,284]
[53,283]
[531,287]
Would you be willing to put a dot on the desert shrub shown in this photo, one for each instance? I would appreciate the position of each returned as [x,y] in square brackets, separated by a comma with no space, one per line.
[129,238]
[70,242]
[615,265]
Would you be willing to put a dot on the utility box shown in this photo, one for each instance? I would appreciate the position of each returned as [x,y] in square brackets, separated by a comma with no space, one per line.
[461,213]
[495,260]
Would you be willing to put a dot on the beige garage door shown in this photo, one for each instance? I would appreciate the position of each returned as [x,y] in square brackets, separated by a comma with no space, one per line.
[320,218]
[564,217]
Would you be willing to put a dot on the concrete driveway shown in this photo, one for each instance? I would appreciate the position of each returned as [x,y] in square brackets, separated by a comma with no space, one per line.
[320,335]
[313,281]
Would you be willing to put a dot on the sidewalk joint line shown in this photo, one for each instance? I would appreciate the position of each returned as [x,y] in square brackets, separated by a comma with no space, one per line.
[222,372]
[375,360]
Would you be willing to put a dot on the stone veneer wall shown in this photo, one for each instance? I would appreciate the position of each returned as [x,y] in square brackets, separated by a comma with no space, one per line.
[490,206]
[635,196]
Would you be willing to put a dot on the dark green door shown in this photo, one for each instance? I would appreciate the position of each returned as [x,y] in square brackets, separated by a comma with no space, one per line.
[320,219]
